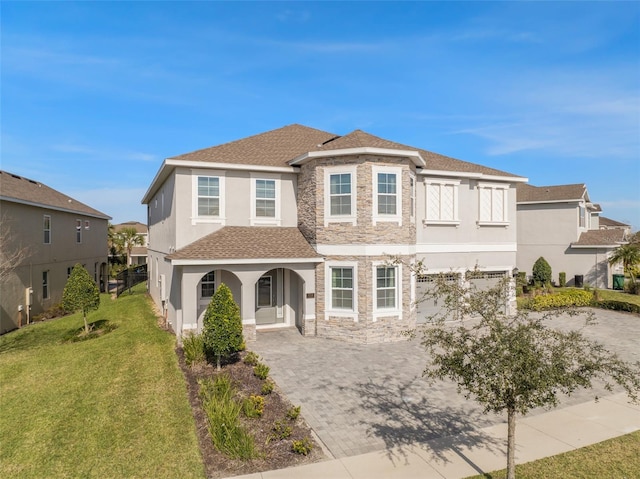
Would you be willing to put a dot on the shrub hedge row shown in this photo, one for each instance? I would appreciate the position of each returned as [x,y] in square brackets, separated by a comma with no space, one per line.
[561,299]
[619,306]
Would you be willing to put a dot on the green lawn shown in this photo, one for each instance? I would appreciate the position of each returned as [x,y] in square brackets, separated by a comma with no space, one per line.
[615,458]
[609,295]
[113,406]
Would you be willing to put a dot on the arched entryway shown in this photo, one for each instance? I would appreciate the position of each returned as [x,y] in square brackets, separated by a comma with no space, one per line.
[207,286]
[279,298]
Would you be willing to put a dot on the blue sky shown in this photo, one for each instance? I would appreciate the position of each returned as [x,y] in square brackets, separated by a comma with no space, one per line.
[95,95]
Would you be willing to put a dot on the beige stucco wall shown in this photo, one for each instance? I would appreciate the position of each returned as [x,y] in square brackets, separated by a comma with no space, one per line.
[23,224]
[547,230]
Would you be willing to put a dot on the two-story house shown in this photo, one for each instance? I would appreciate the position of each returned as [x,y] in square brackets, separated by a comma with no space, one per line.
[138,253]
[44,233]
[561,224]
[301,225]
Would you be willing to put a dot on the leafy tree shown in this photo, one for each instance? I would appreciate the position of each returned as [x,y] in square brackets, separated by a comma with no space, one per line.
[541,271]
[629,256]
[513,363]
[222,330]
[81,293]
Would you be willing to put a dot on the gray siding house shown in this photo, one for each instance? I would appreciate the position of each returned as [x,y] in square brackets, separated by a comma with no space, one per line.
[300,224]
[49,232]
[561,224]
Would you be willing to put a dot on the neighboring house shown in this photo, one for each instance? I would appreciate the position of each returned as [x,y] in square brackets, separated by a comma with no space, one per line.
[138,253]
[561,224]
[300,224]
[53,232]
[609,224]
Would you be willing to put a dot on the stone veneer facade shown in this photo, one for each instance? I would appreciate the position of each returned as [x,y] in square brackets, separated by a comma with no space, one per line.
[367,327]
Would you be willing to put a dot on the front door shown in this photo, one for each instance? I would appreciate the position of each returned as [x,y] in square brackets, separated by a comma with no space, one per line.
[269,298]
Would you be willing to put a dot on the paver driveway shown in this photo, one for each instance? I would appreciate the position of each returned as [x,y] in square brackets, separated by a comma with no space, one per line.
[362,398]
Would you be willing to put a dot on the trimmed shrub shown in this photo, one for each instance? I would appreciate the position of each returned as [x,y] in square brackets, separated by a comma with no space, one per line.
[193,347]
[267,387]
[619,306]
[253,406]
[561,299]
[302,447]
[222,331]
[261,371]
[251,358]
[562,279]
[281,430]
[541,271]
[293,413]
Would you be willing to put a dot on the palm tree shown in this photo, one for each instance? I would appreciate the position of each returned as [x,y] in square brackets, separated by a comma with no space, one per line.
[129,238]
[629,256]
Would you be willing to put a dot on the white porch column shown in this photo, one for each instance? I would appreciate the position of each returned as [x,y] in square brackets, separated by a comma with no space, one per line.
[189,293]
[309,300]
[248,303]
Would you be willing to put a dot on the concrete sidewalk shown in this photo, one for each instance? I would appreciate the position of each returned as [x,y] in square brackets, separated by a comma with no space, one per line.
[537,436]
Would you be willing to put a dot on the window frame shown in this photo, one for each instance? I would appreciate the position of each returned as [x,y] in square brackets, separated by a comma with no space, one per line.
[340,170]
[46,294]
[429,184]
[204,281]
[46,228]
[78,231]
[338,312]
[493,188]
[412,197]
[383,217]
[396,310]
[196,218]
[256,220]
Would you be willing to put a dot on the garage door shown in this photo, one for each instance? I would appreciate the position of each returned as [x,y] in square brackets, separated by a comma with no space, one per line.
[427,305]
[483,280]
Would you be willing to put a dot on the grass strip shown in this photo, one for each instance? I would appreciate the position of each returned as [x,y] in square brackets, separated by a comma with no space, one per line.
[113,406]
[618,457]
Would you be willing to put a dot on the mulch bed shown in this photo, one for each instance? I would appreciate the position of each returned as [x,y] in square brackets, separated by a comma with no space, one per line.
[275,454]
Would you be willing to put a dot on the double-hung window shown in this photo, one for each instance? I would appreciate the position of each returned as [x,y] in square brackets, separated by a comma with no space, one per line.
[493,204]
[341,287]
[386,287]
[340,195]
[265,198]
[387,196]
[46,226]
[441,201]
[208,196]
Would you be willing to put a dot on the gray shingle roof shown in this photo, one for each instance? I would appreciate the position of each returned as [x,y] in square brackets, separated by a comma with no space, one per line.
[24,190]
[526,193]
[248,242]
[600,238]
[609,222]
[140,228]
[278,147]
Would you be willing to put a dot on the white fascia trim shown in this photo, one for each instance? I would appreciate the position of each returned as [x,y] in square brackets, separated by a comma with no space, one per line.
[231,262]
[547,201]
[53,208]
[459,174]
[363,150]
[595,246]
[423,248]
[365,249]
[169,164]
